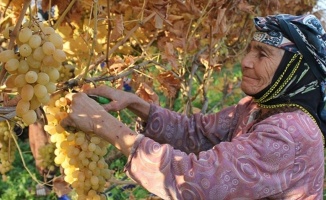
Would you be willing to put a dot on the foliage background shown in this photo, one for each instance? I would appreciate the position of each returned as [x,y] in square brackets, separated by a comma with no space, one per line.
[182,54]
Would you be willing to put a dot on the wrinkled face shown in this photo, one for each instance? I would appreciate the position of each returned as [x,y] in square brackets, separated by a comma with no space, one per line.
[258,66]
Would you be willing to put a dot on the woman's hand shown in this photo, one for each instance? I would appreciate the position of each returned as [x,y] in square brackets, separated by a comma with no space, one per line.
[85,114]
[88,116]
[120,100]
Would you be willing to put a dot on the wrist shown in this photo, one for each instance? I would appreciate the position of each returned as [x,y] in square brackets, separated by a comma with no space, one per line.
[116,133]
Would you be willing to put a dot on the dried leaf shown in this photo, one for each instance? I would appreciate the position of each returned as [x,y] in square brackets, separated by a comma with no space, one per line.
[245,6]
[37,138]
[158,21]
[118,28]
[145,92]
[60,187]
[170,85]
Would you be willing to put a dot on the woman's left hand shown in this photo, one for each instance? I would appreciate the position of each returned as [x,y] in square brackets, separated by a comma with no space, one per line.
[88,116]
[85,114]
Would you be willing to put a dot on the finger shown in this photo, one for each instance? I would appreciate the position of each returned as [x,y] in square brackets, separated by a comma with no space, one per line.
[103,91]
[68,124]
[109,107]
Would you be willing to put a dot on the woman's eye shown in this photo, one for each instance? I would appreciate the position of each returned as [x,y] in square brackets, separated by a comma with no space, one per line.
[262,54]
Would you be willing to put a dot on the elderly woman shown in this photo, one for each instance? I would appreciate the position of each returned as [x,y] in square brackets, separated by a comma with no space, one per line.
[268,146]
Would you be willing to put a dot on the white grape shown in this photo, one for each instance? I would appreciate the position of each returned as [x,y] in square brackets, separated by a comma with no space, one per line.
[51,87]
[12,65]
[31,77]
[53,73]
[57,40]
[48,30]
[40,90]
[48,48]
[45,99]
[23,67]
[43,78]
[24,34]
[7,55]
[59,55]
[20,80]
[25,50]
[35,103]
[27,92]
[48,60]
[29,117]
[10,81]
[38,54]
[22,107]
[35,64]
[35,41]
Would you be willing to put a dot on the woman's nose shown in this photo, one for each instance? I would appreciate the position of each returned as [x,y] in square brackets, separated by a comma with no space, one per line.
[247,62]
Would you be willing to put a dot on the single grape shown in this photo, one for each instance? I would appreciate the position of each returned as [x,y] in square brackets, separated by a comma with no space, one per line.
[35,64]
[12,65]
[40,90]
[53,73]
[47,30]
[22,107]
[31,77]
[35,103]
[29,117]
[59,55]
[7,55]
[35,41]
[20,80]
[23,67]
[45,99]
[48,48]
[25,34]
[27,92]
[38,54]
[25,50]
[43,78]
[57,40]
[51,87]
[10,81]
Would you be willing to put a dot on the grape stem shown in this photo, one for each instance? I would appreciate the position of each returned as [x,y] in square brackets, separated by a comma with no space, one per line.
[22,159]
[13,35]
[63,15]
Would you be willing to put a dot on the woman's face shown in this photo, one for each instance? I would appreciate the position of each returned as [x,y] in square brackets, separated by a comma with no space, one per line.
[258,66]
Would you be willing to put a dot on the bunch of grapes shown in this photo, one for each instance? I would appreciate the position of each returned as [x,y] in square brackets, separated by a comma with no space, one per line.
[34,68]
[47,156]
[80,155]
[7,147]
[66,72]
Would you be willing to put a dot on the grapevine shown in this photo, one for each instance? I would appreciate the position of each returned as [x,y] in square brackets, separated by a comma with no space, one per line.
[80,155]
[7,146]
[34,68]
[47,156]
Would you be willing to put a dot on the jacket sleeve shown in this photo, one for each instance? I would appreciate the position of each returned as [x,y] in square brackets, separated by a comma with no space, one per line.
[189,134]
[197,132]
[254,165]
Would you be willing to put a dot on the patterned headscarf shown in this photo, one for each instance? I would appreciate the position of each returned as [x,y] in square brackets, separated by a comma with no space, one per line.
[300,80]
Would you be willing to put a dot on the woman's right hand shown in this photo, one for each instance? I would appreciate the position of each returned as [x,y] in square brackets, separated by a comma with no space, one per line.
[120,100]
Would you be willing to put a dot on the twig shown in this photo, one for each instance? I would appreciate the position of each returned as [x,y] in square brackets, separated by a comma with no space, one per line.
[130,33]
[108,35]
[23,160]
[91,53]
[63,15]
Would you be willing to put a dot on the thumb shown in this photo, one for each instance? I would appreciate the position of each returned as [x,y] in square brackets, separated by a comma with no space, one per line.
[68,124]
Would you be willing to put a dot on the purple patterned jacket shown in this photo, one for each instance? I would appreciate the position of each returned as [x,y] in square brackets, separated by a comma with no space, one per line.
[228,155]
